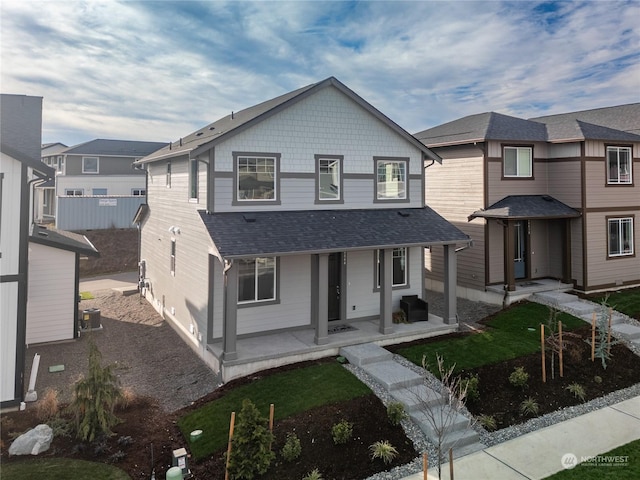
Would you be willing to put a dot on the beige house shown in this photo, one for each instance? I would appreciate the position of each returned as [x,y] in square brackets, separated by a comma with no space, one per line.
[550,198]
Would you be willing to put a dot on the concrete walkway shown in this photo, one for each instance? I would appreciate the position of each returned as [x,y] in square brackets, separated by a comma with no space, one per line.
[541,453]
[116,281]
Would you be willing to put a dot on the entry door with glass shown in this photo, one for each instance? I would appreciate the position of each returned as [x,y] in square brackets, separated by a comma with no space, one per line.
[520,252]
[335,274]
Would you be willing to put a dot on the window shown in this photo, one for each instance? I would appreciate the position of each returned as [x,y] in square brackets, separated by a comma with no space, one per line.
[619,165]
[329,178]
[74,192]
[620,236]
[256,178]
[256,280]
[399,266]
[90,164]
[518,162]
[99,191]
[172,260]
[138,192]
[391,179]
[168,174]
[193,178]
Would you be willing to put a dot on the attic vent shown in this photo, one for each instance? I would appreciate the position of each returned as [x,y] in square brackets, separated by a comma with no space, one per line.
[404,214]
[249,219]
[198,134]
[212,128]
[547,198]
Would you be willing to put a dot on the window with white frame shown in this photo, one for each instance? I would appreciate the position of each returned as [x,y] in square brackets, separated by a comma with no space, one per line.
[193,179]
[256,179]
[256,279]
[98,191]
[172,258]
[620,236]
[138,192]
[619,166]
[329,178]
[391,179]
[518,162]
[399,267]
[74,192]
[90,164]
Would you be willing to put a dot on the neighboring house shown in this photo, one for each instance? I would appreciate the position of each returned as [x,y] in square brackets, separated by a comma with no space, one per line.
[96,185]
[554,197]
[46,192]
[20,167]
[300,212]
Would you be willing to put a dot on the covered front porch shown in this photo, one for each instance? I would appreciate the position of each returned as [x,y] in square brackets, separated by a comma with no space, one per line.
[259,352]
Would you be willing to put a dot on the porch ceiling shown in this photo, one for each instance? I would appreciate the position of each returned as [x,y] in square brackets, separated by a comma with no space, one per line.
[275,233]
[527,207]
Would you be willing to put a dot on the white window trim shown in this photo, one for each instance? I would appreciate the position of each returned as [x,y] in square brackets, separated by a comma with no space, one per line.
[619,221]
[76,192]
[618,182]
[517,149]
[256,277]
[338,160]
[97,159]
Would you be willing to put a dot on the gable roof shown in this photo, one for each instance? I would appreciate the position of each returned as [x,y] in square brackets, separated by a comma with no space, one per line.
[226,127]
[621,123]
[116,148]
[527,207]
[63,240]
[36,164]
[276,233]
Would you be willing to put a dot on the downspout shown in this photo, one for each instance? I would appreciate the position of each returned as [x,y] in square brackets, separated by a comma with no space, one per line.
[424,193]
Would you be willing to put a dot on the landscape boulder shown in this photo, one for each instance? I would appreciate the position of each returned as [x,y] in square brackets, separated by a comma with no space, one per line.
[32,442]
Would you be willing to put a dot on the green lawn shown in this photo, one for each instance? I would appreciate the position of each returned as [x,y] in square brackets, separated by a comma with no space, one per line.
[61,469]
[626,469]
[625,301]
[86,296]
[512,333]
[291,392]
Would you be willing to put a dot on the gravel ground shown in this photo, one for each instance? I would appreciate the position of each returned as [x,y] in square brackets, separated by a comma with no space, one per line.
[149,356]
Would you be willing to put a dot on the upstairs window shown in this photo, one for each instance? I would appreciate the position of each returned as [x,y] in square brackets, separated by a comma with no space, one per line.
[138,192]
[399,266]
[256,280]
[620,236]
[90,164]
[619,166]
[193,179]
[329,179]
[74,192]
[518,162]
[99,191]
[391,179]
[256,178]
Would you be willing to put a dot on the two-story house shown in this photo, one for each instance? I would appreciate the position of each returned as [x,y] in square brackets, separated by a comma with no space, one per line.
[269,227]
[554,197]
[96,185]
[51,154]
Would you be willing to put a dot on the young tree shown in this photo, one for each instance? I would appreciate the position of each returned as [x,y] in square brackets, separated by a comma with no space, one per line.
[95,397]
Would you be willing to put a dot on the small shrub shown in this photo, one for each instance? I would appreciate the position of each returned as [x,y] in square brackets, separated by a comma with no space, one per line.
[396,413]
[488,422]
[251,454]
[100,447]
[597,379]
[47,407]
[117,457]
[472,386]
[383,450]
[529,406]
[399,317]
[313,475]
[577,390]
[61,426]
[125,441]
[519,377]
[127,396]
[342,432]
[292,448]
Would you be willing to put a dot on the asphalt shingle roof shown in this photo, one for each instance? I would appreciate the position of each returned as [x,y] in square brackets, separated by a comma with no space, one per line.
[123,148]
[63,240]
[246,234]
[625,118]
[527,207]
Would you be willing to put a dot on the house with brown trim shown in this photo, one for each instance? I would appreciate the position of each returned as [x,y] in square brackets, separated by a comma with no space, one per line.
[550,198]
[288,229]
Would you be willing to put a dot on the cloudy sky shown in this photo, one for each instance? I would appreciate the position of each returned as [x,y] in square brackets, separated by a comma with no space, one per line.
[158,70]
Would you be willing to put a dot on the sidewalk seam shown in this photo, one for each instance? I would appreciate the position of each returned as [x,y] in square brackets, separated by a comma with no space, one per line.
[507,465]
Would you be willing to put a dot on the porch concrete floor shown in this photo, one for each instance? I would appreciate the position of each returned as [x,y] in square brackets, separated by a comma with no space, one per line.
[526,288]
[298,345]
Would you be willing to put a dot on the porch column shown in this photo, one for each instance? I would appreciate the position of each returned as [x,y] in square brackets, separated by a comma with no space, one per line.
[566,252]
[450,285]
[322,287]
[386,288]
[230,324]
[509,256]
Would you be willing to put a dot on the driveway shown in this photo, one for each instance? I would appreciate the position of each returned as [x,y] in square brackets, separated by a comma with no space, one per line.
[148,355]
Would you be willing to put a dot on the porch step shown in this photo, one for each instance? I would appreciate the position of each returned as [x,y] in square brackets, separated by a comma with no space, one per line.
[630,331]
[391,375]
[365,353]
[581,308]
[458,429]
[616,318]
[417,397]
[556,298]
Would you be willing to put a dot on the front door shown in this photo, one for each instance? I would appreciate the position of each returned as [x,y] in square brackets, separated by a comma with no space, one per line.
[520,252]
[335,274]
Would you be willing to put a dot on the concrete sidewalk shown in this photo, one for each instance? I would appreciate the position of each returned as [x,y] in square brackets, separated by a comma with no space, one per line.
[106,282]
[541,453]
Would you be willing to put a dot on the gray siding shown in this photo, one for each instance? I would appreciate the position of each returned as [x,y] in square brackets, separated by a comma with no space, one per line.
[94,213]
[106,165]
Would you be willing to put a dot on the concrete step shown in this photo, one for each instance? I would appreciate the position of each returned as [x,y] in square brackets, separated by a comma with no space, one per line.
[556,298]
[458,434]
[441,415]
[365,353]
[581,308]
[391,375]
[630,331]
[416,397]
[616,318]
